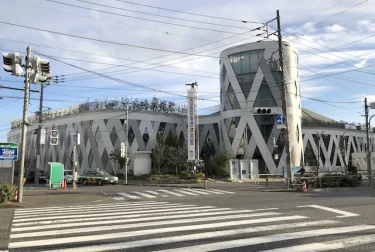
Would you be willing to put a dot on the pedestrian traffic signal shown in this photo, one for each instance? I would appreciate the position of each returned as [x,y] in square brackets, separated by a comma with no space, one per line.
[273,141]
[13,63]
[54,137]
[262,111]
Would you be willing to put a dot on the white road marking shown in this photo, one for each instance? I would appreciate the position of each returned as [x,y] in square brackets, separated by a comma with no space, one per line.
[196,191]
[128,226]
[192,237]
[222,191]
[177,215]
[266,209]
[122,209]
[99,237]
[95,209]
[46,209]
[186,192]
[331,245]
[271,238]
[211,191]
[145,195]
[156,193]
[118,216]
[329,209]
[170,192]
[132,211]
[129,195]
[118,198]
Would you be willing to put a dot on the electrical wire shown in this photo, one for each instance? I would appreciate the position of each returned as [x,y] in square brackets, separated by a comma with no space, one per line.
[153,14]
[191,13]
[145,19]
[112,22]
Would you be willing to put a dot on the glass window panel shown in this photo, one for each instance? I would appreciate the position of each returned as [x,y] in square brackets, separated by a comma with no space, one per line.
[264,97]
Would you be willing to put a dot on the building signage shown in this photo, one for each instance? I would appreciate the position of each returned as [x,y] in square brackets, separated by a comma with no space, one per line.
[191,124]
[9,151]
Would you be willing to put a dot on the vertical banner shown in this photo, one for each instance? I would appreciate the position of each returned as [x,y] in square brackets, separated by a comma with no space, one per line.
[42,136]
[191,124]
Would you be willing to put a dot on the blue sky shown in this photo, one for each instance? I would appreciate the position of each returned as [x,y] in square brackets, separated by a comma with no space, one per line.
[333,37]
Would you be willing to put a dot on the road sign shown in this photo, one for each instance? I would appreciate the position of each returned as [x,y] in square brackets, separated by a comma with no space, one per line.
[42,136]
[122,149]
[280,121]
[9,151]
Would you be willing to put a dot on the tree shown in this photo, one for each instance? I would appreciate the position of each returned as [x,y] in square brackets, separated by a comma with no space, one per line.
[158,152]
[222,164]
[116,157]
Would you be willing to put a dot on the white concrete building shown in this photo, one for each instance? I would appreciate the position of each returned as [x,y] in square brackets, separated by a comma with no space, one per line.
[249,80]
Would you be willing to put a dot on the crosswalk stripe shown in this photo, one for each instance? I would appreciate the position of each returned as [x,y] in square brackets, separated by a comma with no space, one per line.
[211,191]
[192,237]
[170,192]
[156,193]
[186,192]
[118,216]
[129,196]
[145,195]
[331,245]
[217,190]
[76,239]
[196,191]
[95,210]
[214,212]
[159,210]
[128,226]
[271,238]
[46,209]
[118,198]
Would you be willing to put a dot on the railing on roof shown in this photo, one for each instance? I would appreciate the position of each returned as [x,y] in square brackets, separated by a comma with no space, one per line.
[160,106]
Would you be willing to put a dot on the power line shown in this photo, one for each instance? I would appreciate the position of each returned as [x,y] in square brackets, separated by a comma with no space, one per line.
[190,13]
[145,19]
[153,14]
[337,13]
[112,22]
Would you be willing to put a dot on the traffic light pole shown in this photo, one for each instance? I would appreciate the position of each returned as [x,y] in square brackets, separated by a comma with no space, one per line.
[368,151]
[284,102]
[38,144]
[24,120]
[74,166]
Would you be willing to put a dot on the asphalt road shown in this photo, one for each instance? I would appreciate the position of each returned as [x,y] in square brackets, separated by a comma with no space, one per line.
[228,217]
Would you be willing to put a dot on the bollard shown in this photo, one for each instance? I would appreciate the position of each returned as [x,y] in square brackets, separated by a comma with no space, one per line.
[267,183]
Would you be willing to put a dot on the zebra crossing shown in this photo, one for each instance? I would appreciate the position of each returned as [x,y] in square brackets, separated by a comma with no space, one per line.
[175,227]
[165,193]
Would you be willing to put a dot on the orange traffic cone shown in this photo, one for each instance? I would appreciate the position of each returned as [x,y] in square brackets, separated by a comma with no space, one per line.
[304,187]
[15,196]
[64,185]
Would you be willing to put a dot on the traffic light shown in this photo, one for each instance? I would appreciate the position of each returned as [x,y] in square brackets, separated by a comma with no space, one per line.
[54,137]
[13,63]
[42,71]
[262,111]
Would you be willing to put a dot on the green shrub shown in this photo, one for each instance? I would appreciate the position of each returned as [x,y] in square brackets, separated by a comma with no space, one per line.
[186,175]
[6,192]
[200,175]
[337,180]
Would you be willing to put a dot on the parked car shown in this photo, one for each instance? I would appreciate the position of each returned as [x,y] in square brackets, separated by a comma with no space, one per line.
[68,175]
[43,177]
[98,177]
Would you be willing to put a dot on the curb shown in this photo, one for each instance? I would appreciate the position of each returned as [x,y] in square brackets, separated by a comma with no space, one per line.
[10,204]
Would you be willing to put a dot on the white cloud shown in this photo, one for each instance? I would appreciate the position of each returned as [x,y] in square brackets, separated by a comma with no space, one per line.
[368,24]
[335,28]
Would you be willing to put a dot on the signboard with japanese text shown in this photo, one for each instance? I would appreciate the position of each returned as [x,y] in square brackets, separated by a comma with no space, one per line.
[9,151]
[191,123]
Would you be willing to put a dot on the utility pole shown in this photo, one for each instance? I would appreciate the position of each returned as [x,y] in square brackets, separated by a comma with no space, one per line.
[38,144]
[284,102]
[126,142]
[24,121]
[368,152]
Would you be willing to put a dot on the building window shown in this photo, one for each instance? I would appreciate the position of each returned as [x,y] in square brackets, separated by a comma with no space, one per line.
[265,97]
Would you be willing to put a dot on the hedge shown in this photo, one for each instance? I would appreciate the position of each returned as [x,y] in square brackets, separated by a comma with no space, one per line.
[6,192]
